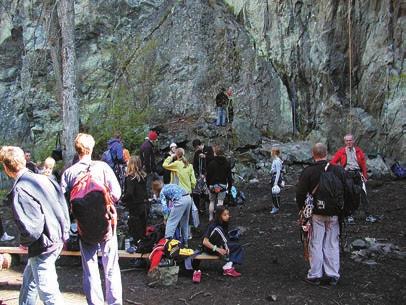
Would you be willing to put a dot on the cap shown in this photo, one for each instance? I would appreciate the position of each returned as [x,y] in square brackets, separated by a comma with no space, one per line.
[152,135]
[173,145]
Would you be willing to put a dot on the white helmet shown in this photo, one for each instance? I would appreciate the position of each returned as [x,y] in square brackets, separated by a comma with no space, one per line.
[276,189]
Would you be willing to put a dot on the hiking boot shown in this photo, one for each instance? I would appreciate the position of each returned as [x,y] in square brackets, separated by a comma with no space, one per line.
[6,237]
[274,210]
[197,276]
[370,219]
[231,272]
[333,281]
[314,281]
[350,220]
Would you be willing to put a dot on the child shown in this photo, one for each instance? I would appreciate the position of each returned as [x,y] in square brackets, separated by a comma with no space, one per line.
[276,180]
[216,241]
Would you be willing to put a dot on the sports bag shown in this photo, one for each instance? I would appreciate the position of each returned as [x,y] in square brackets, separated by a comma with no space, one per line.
[93,208]
[329,196]
[398,170]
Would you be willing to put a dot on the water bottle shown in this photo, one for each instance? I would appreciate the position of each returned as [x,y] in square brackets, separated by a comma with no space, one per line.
[126,243]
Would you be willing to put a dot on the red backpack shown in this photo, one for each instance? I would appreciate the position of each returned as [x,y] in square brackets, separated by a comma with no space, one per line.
[93,208]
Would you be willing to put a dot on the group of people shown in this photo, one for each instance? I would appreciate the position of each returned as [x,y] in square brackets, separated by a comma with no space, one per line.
[41,209]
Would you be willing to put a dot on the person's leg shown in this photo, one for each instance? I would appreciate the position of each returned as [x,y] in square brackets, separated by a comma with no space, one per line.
[223,116]
[112,274]
[221,197]
[174,219]
[148,182]
[91,277]
[218,121]
[184,221]
[132,226]
[331,248]
[2,230]
[316,247]
[45,277]
[236,253]
[364,201]
[28,291]
[212,198]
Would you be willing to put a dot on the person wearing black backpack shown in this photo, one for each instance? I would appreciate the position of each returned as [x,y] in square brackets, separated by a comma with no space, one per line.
[325,185]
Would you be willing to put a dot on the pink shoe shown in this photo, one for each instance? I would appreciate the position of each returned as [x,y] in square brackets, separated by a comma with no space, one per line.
[197,276]
[231,272]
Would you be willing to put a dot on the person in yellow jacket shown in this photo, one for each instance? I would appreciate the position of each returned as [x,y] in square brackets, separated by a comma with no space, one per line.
[182,172]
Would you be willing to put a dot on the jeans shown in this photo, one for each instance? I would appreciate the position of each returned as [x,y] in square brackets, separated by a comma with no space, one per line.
[179,215]
[221,116]
[40,278]
[360,198]
[91,278]
[324,250]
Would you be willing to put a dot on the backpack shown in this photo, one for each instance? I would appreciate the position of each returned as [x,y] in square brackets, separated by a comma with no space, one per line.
[398,170]
[93,208]
[329,195]
[107,157]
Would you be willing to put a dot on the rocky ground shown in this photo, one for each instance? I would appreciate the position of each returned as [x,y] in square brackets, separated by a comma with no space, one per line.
[274,269]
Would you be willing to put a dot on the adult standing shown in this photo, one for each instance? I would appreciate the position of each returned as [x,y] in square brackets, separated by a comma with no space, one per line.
[147,154]
[42,217]
[182,172]
[352,159]
[219,179]
[324,251]
[104,175]
[221,104]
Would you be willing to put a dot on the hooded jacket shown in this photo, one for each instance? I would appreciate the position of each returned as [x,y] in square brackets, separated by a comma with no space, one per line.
[115,147]
[219,172]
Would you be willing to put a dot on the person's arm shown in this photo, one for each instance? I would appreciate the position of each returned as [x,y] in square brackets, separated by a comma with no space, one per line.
[128,196]
[169,165]
[165,209]
[278,167]
[362,164]
[28,216]
[301,190]
[336,158]
[192,177]
[111,182]
[214,248]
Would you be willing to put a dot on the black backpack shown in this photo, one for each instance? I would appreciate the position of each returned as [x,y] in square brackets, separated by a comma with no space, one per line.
[329,196]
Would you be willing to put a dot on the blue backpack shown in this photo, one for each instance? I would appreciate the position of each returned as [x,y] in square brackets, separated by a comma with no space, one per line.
[398,170]
[106,157]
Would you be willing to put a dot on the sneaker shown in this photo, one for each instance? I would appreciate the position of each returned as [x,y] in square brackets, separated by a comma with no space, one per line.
[371,219]
[313,281]
[231,272]
[6,237]
[274,210]
[350,220]
[197,276]
[333,281]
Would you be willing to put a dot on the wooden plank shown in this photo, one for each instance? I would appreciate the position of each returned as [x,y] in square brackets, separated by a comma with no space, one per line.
[121,253]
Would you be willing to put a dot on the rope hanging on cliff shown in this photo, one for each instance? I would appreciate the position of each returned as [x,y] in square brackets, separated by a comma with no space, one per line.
[350,62]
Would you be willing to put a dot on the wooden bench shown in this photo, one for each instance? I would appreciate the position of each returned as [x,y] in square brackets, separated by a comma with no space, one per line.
[121,253]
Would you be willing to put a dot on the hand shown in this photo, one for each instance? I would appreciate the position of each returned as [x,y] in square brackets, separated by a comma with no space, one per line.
[173,155]
[202,155]
[222,251]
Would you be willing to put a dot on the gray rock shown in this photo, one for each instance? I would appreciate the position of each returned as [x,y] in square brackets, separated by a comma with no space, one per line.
[377,168]
[359,244]
[245,134]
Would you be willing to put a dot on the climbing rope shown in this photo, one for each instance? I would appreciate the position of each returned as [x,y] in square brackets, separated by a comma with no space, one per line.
[350,63]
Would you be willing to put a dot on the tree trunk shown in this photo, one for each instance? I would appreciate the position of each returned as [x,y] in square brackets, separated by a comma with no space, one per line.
[70,109]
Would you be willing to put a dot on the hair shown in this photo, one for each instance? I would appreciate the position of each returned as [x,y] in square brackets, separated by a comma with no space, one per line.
[319,150]
[217,217]
[180,155]
[84,144]
[218,150]
[27,151]
[134,168]
[276,151]
[196,142]
[156,185]
[49,162]
[13,158]
[348,135]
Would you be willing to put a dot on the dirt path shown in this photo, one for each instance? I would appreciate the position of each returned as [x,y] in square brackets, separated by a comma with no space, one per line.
[274,265]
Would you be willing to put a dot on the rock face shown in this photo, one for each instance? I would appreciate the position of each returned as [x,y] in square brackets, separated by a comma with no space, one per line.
[287,62]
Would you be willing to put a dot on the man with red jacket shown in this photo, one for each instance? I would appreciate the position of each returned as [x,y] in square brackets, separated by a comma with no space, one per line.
[352,159]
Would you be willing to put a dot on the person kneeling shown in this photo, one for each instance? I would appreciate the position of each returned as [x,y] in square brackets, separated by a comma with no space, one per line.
[216,241]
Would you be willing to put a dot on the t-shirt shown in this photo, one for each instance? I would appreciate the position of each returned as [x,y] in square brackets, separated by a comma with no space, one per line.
[352,163]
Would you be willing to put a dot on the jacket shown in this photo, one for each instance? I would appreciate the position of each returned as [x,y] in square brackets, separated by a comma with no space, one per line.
[185,175]
[135,195]
[148,156]
[221,100]
[40,212]
[115,147]
[200,164]
[310,177]
[340,157]
[219,172]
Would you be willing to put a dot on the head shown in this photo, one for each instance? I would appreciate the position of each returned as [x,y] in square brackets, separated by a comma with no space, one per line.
[157,185]
[218,150]
[349,140]
[13,160]
[173,147]
[152,136]
[27,155]
[84,144]
[117,135]
[49,165]
[134,168]
[222,215]
[319,152]
[275,152]
[180,155]
[197,144]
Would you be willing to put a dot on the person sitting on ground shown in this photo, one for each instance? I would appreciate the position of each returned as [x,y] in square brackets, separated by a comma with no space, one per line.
[221,104]
[219,179]
[216,241]
[182,172]
[29,164]
[176,205]
[352,159]
[276,180]
[147,154]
